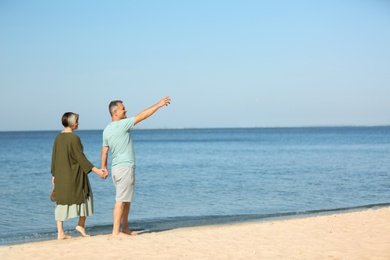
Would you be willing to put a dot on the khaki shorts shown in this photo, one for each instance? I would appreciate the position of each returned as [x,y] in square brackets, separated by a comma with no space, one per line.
[124,179]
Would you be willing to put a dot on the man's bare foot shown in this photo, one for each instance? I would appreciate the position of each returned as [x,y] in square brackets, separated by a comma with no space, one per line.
[82,231]
[121,234]
[63,236]
[130,233]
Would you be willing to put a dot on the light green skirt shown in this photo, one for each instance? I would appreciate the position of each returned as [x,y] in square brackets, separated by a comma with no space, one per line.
[64,212]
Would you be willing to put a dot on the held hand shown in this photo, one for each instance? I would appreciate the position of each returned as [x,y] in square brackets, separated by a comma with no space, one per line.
[104,173]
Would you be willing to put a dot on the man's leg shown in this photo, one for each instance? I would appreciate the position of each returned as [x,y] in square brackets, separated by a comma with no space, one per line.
[123,178]
[125,220]
[117,214]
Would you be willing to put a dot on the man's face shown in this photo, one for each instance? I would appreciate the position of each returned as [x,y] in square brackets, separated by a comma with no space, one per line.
[121,111]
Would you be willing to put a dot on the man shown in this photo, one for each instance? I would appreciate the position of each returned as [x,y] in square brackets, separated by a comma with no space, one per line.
[117,139]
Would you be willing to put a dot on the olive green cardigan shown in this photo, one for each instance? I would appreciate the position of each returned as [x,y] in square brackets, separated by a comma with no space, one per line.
[70,167]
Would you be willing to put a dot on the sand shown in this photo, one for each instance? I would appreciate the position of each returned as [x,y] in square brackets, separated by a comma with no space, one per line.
[350,235]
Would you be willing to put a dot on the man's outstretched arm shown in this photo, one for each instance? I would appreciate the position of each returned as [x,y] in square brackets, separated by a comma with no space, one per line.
[150,111]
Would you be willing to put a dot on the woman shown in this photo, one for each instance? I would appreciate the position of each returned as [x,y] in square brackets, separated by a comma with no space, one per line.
[70,168]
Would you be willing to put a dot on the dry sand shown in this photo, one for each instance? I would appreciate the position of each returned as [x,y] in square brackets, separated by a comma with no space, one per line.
[352,235]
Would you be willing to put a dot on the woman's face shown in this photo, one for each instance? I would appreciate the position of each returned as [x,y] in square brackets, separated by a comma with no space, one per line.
[76,125]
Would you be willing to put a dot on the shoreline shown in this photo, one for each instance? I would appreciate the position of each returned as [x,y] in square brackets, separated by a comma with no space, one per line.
[363,234]
[170,223]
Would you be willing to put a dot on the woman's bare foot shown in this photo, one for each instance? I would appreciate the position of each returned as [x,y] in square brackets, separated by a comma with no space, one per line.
[63,236]
[82,231]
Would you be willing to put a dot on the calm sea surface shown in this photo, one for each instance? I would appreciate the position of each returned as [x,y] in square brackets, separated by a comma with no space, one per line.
[203,176]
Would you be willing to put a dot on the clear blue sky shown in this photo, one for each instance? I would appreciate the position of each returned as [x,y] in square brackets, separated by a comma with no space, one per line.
[224,63]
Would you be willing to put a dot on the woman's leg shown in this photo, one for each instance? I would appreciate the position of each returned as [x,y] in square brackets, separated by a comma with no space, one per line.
[61,233]
[81,226]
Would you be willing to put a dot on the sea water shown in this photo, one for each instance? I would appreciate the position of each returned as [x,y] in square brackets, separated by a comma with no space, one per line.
[190,177]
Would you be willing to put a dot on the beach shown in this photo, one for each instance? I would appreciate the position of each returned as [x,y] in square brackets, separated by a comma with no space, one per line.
[349,235]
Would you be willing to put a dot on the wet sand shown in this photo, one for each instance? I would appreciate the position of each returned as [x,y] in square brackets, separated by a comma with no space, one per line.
[351,235]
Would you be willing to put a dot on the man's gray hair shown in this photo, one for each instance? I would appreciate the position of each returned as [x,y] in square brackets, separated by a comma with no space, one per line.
[113,105]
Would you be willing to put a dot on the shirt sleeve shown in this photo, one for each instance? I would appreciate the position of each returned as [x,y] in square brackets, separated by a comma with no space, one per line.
[80,157]
[53,157]
[129,123]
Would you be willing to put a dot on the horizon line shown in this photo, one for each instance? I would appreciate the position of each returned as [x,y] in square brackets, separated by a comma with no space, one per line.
[205,128]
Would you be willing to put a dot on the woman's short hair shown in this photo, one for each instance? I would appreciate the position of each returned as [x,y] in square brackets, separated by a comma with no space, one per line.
[113,105]
[69,119]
